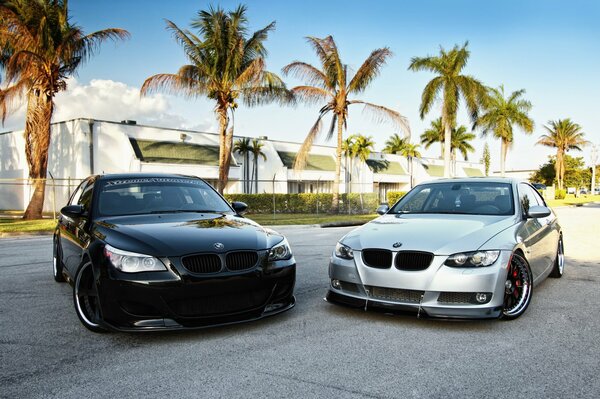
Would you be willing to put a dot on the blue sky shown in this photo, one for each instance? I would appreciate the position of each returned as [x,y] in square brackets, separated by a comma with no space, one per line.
[549,48]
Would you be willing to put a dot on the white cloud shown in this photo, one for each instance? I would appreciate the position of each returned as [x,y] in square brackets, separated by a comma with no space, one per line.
[113,101]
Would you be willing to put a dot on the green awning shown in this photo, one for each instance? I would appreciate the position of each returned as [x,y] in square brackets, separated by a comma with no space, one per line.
[386,167]
[473,172]
[313,162]
[177,153]
[434,170]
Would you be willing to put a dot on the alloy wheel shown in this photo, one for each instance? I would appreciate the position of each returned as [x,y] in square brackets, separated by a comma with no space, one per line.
[85,295]
[517,288]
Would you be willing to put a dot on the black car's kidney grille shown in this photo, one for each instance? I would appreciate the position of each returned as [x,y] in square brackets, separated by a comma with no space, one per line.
[378,258]
[221,304]
[202,263]
[413,260]
[241,260]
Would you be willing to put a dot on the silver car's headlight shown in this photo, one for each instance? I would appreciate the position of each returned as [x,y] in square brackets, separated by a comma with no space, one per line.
[472,259]
[131,262]
[280,251]
[343,251]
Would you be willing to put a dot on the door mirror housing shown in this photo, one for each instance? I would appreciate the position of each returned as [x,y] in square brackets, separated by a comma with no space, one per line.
[538,211]
[239,207]
[383,209]
[73,211]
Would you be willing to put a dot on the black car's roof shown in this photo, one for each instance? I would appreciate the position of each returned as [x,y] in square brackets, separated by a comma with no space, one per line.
[114,176]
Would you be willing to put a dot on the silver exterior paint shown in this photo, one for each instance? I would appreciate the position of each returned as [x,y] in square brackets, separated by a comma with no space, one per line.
[444,235]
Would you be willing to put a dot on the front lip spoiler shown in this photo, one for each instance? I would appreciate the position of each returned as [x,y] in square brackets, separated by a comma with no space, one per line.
[172,325]
[401,309]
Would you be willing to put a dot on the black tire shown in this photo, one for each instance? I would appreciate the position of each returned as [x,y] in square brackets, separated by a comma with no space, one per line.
[518,288]
[57,264]
[559,262]
[85,298]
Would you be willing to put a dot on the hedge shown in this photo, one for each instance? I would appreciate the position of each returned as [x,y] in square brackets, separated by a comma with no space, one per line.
[394,196]
[306,202]
[560,194]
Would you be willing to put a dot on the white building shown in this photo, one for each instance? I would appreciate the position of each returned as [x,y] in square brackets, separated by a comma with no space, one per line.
[82,147]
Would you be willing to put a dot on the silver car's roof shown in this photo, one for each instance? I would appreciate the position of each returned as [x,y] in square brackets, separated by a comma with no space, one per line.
[510,180]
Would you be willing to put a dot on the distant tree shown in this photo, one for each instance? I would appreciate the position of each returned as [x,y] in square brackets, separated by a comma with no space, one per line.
[576,173]
[501,114]
[395,144]
[242,147]
[411,151]
[459,138]
[332,86]
[256,150]
[449,86]
[486,159]
[40,47]
[564,135]
[226,65]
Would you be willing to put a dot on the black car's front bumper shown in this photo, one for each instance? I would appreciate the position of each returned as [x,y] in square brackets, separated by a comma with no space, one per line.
[179,300]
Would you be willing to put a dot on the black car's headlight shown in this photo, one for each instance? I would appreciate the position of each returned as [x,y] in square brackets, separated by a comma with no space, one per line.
[343,251]
[472,259]
[130,262]
[280,251]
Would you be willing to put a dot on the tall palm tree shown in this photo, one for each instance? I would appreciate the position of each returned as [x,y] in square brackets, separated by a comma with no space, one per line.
[226,65]
[348,152]
[256,150]
[242,147]
[363,146]
[564,135]
[395,144]
[500,114]
[449,86]
[332,85]
[41,48]
[411,151]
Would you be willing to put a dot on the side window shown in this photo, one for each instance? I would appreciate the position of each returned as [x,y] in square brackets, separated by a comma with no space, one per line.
[77,193]
[527,197]
[86,197]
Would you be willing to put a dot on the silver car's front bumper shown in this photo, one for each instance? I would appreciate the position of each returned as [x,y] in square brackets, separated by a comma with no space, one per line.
[438,291]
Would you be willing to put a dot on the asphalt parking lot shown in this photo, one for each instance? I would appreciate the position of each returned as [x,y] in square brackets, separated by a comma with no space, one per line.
[314,350]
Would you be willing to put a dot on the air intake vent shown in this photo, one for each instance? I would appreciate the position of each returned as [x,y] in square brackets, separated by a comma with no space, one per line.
[378,258]
[413,260]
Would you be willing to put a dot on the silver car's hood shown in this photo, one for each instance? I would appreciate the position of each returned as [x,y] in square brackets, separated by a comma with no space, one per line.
[437,233]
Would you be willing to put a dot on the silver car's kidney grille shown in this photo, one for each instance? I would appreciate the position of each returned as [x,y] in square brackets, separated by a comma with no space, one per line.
[378,258]
[241,260]
[202,263]
[413,260]
[396,295]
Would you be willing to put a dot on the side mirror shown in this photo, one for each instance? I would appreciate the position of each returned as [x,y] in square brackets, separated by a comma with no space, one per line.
[538,211]
[73,211]
[383,209]
[239,207]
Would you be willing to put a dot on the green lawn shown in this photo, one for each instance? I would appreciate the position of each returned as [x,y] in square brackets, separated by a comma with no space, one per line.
[571,200]
[26,226]
[306,218]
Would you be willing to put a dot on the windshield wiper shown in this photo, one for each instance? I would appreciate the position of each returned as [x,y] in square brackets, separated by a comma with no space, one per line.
[187,211]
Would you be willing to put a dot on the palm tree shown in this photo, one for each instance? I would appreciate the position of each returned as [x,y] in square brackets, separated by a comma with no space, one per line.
[226,66]
[461,142]
[449,86]
[256,150]
[564,135]
[435,134]
[41,48]
[411,151]
[363,146]
[395,144]
[242,147]
[348,151]
[500,114]
[332,85]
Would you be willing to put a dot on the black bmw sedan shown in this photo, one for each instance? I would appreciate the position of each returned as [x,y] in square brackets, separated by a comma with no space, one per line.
[152,251]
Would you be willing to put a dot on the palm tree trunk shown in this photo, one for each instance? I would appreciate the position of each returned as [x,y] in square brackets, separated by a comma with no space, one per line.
[224,148]
[447,142]
[503,151]
[37,143]
[558,169]
[256,174]
[338,164]
[253,173]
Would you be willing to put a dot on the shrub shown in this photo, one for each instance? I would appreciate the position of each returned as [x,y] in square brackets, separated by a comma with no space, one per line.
[560,194]
[394,196]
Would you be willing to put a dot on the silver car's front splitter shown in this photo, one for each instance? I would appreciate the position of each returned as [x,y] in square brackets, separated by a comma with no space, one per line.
[438,291]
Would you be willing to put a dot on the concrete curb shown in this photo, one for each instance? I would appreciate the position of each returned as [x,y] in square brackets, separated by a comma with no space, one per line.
[343,224]
[26,234]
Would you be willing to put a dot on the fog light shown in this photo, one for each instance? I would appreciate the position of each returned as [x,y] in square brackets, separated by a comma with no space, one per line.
[481,297]
[336,284]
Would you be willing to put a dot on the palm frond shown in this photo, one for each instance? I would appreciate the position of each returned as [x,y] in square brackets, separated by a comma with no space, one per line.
[382,114]
[369,70]
[302,155]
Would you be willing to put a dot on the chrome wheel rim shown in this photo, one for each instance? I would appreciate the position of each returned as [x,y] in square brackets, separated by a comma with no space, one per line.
[561,256]
[517,289]
[54,267]
[86,296]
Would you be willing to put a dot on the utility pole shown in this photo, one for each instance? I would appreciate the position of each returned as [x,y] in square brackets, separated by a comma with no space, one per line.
[594,158]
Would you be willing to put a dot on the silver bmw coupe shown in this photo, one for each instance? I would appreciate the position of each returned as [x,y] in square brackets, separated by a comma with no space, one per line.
[453,248]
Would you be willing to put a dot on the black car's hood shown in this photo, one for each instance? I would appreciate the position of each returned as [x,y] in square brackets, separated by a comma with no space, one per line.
[183,233]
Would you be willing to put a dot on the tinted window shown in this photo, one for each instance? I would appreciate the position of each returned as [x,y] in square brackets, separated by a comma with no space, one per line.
[77,193]
[474,198]
[158,195]
[528,197]
[86,196]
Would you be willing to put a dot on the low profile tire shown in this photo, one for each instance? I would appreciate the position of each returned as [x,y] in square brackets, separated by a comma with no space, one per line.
[85,296]
[559,263]
[517,289]
[57,265]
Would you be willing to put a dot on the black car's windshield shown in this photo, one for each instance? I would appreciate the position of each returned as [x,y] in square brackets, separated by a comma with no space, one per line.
[471,198]
[158,195]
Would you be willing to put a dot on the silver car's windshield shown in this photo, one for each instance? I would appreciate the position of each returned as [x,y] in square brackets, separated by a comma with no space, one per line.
[476,198]
[158,195]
